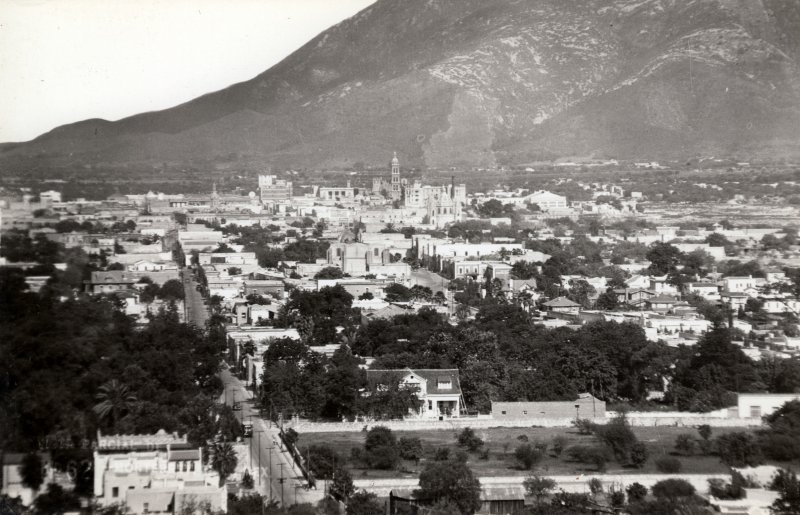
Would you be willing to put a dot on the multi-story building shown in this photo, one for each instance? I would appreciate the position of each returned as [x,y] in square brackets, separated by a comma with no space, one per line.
[272,189]
[160,473]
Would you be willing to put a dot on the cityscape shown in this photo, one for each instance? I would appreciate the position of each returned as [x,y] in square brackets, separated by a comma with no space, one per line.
[413,324]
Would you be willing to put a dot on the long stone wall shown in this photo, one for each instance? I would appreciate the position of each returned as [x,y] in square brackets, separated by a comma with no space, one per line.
[573,483]
[635,419]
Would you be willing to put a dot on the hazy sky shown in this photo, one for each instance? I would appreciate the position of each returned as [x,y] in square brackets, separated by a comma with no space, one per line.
[67,60]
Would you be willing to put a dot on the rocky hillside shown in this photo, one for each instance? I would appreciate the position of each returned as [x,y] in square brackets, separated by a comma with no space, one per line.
[485,82]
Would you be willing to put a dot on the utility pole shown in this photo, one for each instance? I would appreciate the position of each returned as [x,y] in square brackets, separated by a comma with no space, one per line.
[282,480]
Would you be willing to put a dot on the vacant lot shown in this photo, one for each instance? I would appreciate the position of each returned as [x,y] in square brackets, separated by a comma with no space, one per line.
[501,443]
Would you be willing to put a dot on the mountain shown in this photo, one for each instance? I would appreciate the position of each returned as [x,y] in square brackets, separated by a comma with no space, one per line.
[487,82]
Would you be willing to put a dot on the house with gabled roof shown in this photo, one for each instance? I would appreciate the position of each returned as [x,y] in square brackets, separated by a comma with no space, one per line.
[562,305]
[438,389]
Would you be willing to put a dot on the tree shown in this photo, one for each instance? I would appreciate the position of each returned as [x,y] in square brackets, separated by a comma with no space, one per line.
[223,460]
[450,481]
[56,500]
[322,460]
[524,270]
[684,444]
[539,487]
[527,456]
[781,441]
[607,300]
[398,293]
[172,290]
[410,448]
[467,438]
[739,449]
[329,272]
[664,258]
[673,489]
[788,487]
[114,398]
[364,503]
[380,448]
[636,492]
[32,471]
[342,486]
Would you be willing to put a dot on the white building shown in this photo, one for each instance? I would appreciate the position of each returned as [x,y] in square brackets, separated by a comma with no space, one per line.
[757,405]
[157,473]
[438,389]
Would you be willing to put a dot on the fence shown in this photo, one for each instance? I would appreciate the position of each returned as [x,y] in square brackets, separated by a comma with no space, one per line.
[675,419]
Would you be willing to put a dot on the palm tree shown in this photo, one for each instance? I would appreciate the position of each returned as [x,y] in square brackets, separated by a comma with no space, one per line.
[114,398]
[223,460]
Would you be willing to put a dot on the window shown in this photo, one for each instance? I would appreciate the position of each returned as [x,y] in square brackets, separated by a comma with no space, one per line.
[755,411]
[115,491]
[375,252]
[185,466]
[191,466]
[430,405]
[146,507]
[444,384]
[524,412]
[503,412]
[177,466]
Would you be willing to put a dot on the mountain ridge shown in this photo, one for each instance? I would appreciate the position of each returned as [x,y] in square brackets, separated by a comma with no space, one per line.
[488,82]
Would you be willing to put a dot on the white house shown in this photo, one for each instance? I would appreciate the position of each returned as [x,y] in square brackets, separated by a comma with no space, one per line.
[757,405]
[438,389]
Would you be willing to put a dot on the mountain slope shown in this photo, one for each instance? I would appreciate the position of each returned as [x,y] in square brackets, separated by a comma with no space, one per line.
[485,82]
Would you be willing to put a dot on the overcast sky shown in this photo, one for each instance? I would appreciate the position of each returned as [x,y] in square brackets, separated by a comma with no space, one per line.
[63,61]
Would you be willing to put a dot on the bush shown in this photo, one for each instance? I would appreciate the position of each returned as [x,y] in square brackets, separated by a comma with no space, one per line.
[247,480]
[410,448]
[739,449]
[322,460]
[527,456]
[441,454]
[593,454]
[380,448]
[673,489]
[704,430]
[584,426]
[636,492]
[558,445]
[685,444]
[618,436]
[639,454]
[668,465]
[595,486]
[467,438]
[539,487]
[617,498]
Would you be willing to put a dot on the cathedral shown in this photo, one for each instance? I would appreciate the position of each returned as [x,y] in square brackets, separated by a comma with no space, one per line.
[439,205]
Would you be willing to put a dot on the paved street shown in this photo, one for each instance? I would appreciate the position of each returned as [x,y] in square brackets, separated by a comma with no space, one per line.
[196,310]
[267,451]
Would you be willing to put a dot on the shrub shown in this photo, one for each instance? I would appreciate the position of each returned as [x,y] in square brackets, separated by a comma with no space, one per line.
[410,448]
[739,449]
[584,426]
[617,498]
[247,480]
[636,492]
[684,444]
[467,438]
[594,454]
[380,448]
[441,454]
[595,486]
[618,436]
[527,456]
[322,460]
[639,454]
[522,438]
[673,489]
[538,486]
[558,445]
[668,465]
